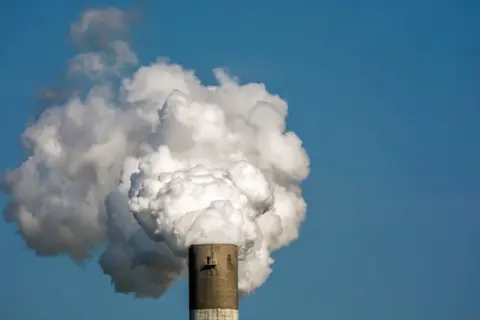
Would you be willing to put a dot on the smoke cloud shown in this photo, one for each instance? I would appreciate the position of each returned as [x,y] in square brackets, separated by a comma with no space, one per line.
[148,164]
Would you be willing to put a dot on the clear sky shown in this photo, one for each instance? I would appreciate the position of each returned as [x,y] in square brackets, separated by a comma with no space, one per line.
[385,96]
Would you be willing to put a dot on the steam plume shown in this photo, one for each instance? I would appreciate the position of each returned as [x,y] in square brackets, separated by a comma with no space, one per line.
[156,164]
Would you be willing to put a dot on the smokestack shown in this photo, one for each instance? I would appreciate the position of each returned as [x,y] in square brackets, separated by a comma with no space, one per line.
[213,281]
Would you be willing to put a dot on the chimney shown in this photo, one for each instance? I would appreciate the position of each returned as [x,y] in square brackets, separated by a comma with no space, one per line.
[213,282]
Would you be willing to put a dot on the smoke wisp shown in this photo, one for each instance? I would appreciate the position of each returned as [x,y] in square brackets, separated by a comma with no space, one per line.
[151,163]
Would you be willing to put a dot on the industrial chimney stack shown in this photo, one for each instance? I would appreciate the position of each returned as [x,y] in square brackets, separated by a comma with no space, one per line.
[213,282]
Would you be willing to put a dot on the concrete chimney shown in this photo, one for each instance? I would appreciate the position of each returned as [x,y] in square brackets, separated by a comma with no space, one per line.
[213,282]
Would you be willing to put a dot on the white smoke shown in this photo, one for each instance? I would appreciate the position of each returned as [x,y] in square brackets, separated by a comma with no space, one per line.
[155,165]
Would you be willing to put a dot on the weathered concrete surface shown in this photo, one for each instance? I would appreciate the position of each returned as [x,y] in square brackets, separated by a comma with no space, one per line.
[213,277]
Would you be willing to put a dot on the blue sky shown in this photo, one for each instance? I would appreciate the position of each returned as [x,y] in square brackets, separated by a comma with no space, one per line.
[385,96]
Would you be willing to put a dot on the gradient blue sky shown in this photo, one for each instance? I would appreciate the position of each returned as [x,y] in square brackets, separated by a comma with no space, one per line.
[385,95]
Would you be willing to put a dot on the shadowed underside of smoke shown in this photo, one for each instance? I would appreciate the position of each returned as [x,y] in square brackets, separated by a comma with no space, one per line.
[153,162]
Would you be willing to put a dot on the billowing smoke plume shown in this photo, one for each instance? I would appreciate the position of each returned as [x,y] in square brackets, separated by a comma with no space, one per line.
[149,164]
